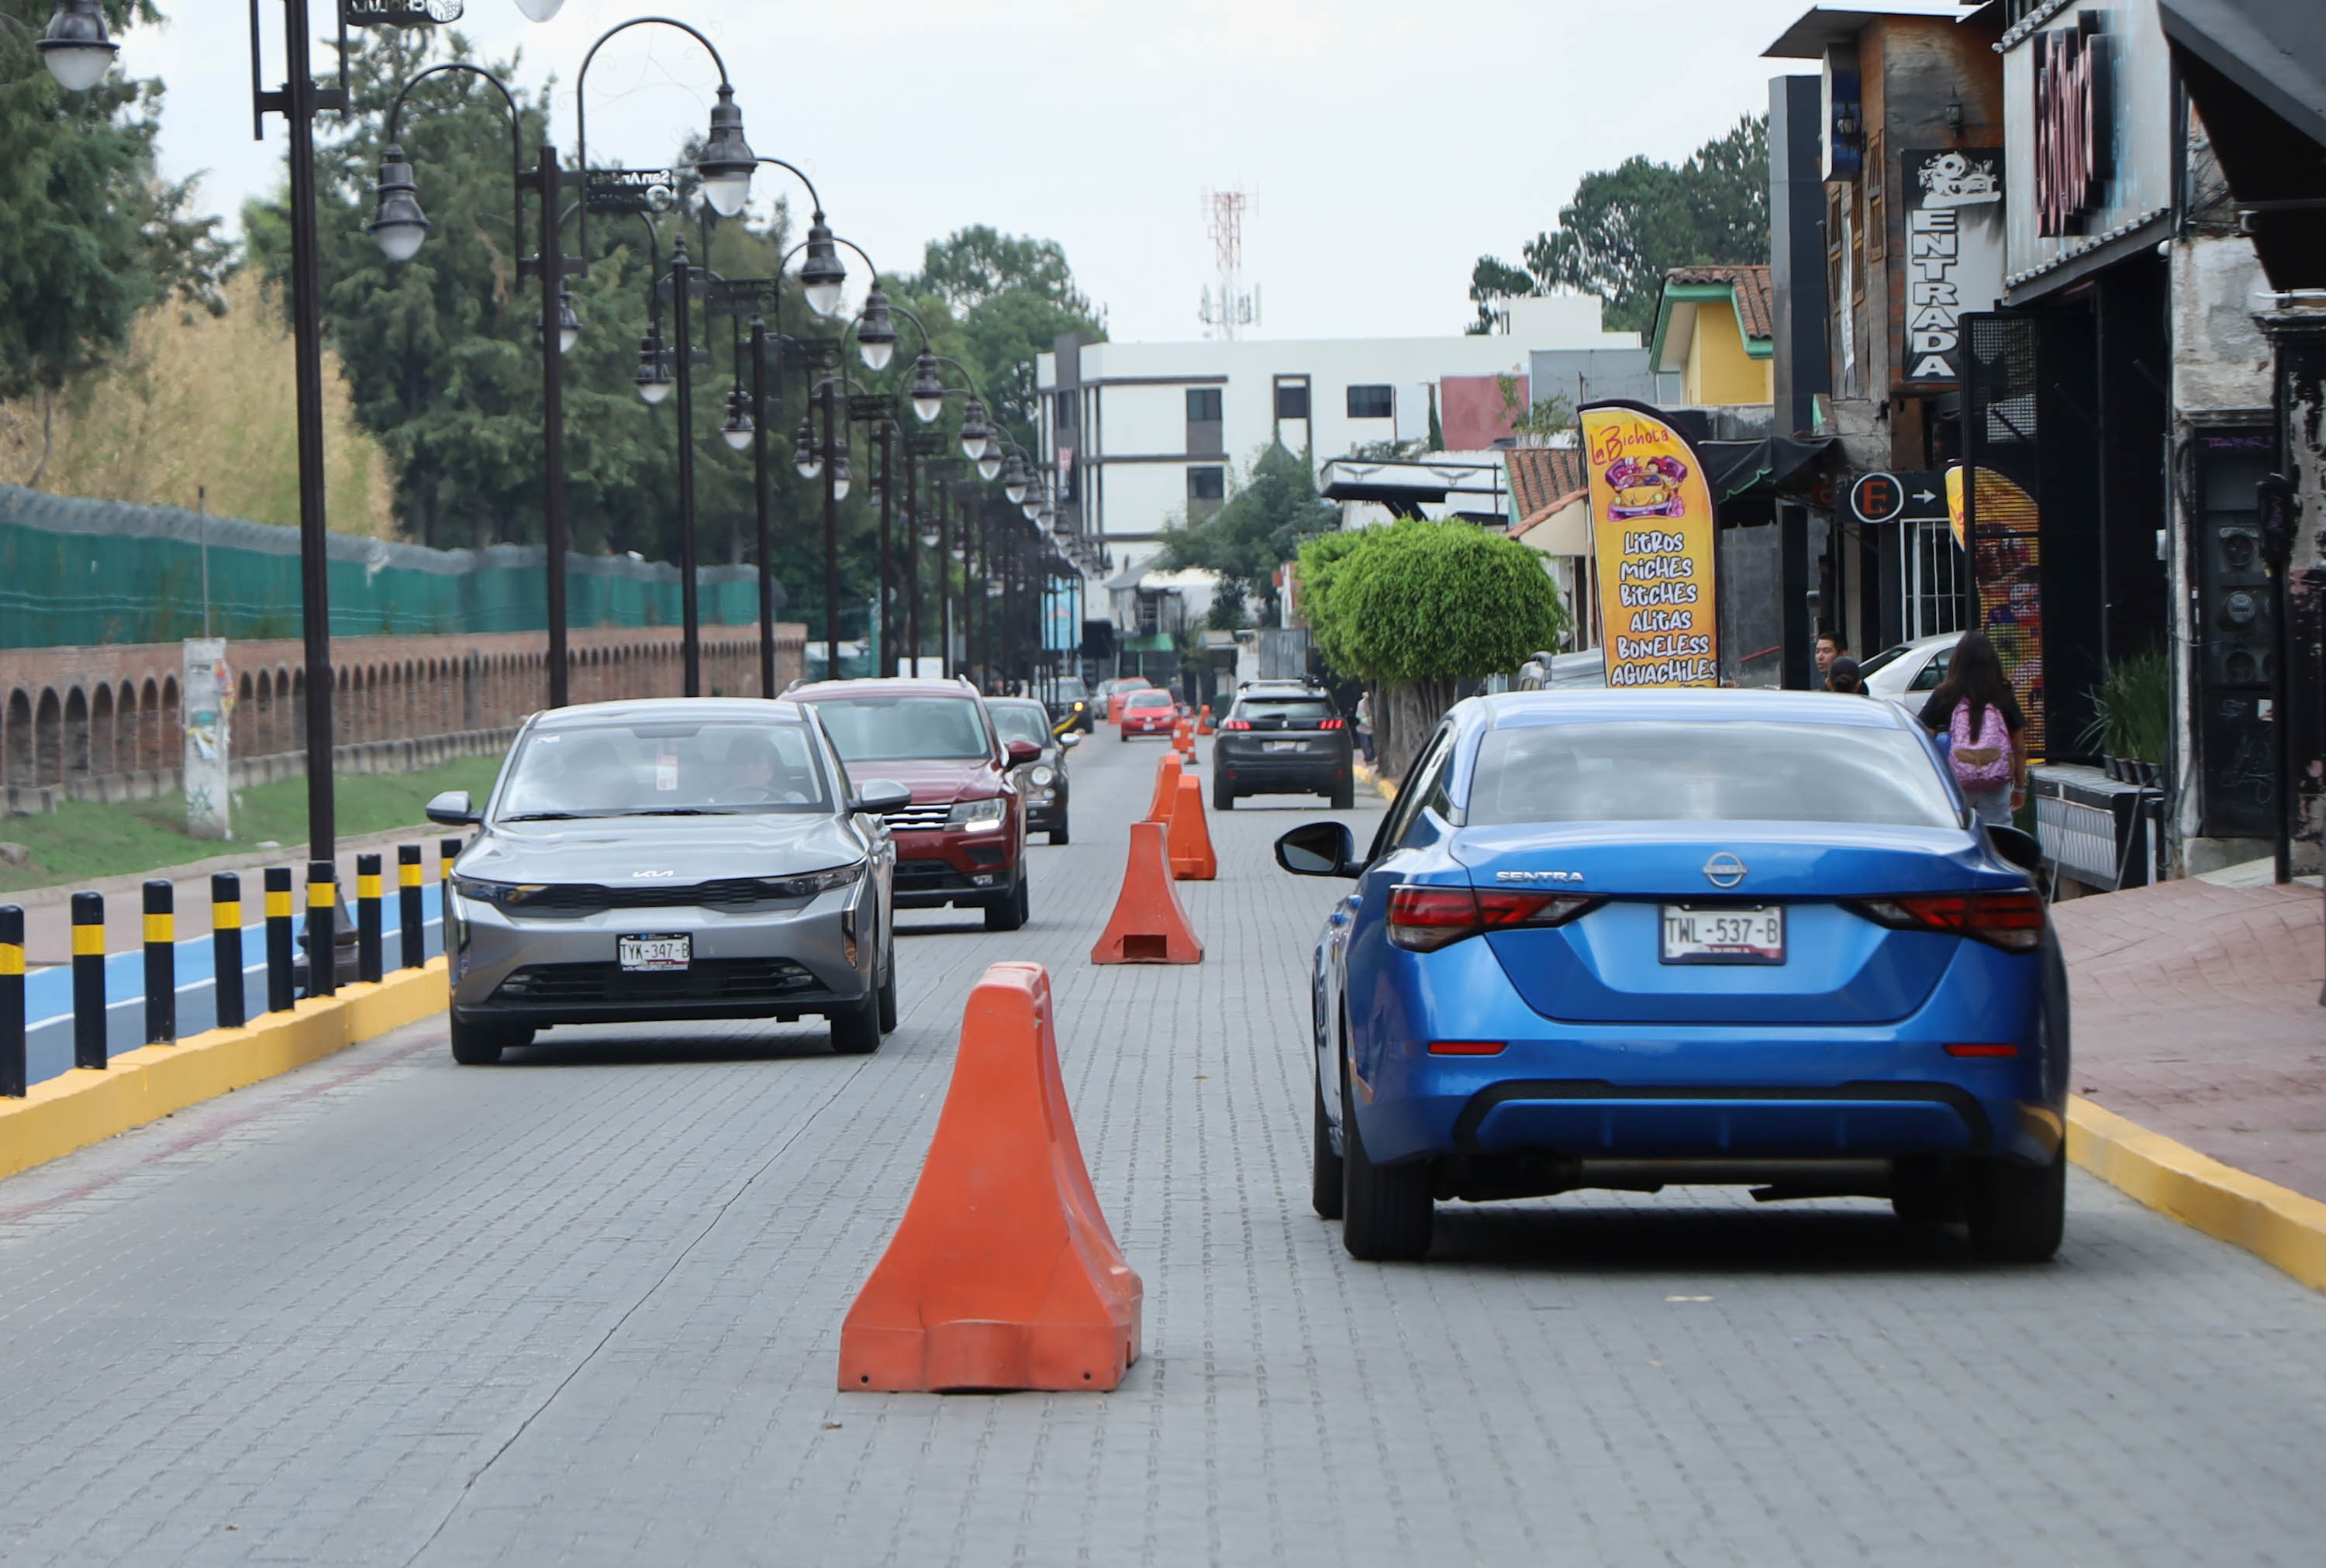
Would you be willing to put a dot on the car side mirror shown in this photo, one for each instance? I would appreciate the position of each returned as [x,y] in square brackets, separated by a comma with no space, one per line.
[1318,849]
[880,795]
[453,809]
[1070,739]
[2020,848]
[1020,752]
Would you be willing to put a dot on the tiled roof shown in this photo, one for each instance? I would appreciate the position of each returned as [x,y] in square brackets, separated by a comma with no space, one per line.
[1542,477]
[1755,305]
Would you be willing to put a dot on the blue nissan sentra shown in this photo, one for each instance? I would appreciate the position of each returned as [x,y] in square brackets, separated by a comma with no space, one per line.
[1630,940]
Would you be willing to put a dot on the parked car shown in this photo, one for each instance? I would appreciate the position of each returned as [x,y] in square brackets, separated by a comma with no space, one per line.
[1149,711]
[1908,672]
[1547,672]
[647,861]
[960,838]
[1072,707]
[1119,692]
[1283,737]
[1042,782]
[1635,938]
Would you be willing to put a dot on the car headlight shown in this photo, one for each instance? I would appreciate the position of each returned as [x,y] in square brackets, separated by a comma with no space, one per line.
[977,816]
[501,895]
[809,884]
[1042,772]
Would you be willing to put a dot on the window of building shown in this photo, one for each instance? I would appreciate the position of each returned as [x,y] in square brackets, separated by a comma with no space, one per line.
[1203,405]
[1292,400]
[1372,403]
[1066,417]
[1207,484]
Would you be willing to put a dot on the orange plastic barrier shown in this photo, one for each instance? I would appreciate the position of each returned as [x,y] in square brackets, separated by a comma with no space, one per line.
[1191,859]
[1148,926]
[1003,1274]
[1204,720]
[1182,739]
[1160,805]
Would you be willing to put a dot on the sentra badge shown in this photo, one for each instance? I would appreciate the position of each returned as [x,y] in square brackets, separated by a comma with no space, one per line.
[1538,876]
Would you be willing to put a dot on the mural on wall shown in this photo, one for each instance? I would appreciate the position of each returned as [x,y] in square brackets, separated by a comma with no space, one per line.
[2006,556]
[1954,252]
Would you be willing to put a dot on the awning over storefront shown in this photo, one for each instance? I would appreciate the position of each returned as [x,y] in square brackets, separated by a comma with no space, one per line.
[1764,467]
[2256,70]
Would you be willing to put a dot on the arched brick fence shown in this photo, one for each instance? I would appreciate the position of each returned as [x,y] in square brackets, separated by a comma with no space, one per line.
[103,723]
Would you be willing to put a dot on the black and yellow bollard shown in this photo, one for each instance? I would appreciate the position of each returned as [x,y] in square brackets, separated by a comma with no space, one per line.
[12,1002]
[408,905]
[323,928]
[281,994]
[226,949]
[447,851]
[88,980]
[368,933]
[160,962]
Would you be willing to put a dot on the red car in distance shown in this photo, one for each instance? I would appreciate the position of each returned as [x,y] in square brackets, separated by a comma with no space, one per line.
[1150,711]
[1119,692]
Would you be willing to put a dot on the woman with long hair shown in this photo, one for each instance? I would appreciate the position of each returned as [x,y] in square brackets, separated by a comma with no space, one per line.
[1975,708]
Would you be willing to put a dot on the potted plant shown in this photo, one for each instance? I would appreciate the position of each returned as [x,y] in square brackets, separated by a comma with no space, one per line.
[2132,718]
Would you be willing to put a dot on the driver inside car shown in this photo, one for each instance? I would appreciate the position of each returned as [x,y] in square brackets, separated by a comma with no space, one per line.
[757,774]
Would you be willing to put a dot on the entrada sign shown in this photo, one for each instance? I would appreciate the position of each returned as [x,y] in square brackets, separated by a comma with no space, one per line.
[1954,252]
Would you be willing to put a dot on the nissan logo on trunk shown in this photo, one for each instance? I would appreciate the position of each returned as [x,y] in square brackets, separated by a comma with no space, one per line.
[1724,870]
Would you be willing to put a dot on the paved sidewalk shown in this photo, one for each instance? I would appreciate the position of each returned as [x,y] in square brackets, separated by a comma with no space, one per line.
[585,1308]
[2197,1016]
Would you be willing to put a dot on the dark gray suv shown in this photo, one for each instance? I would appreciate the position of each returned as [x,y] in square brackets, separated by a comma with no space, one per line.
[1283,737]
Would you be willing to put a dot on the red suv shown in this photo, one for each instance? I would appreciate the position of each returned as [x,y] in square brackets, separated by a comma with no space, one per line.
[962,840]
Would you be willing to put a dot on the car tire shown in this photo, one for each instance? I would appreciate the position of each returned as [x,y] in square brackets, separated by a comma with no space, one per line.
[2018,1213]
[1325,1175]
[1387,1214]
[1345,795]
[856,1031]
[1012,912]
[1223,798]
[888,995]
[1058,833]
[1123,736]
[478,1044]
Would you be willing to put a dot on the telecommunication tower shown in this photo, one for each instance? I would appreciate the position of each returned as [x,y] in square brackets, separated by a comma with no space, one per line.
[1230,307]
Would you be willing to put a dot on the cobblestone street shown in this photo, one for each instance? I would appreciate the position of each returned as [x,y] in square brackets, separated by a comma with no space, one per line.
[585,1307]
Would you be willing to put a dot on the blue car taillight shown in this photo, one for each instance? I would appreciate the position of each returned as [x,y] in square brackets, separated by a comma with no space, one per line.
[2013,921]
[1425,919]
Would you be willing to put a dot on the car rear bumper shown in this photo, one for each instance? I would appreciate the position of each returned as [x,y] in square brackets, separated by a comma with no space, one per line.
[1244,774]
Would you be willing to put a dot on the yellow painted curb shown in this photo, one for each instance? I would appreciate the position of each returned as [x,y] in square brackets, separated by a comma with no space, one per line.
[2275,1223]
[85,1106]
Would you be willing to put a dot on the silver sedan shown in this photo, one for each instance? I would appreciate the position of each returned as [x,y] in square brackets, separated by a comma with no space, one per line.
[671,859]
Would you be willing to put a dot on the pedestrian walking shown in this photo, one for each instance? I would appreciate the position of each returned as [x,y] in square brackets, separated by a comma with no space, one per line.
[1365,726]
[1979,714]
[1830,646]
[1842,675]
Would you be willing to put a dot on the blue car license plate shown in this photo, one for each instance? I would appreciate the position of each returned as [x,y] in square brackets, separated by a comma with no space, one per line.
[1724,934]
[653,953]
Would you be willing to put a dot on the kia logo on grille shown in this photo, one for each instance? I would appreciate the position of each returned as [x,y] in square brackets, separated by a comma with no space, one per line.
[1724,870]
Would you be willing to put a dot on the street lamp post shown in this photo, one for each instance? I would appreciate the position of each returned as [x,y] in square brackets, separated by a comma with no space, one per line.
[681,289]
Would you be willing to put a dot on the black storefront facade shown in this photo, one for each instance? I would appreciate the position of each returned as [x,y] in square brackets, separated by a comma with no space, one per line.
[2117,414]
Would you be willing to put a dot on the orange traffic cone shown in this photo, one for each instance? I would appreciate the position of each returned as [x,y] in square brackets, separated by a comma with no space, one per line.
[1204,720]
[1183,738]
[1148,926]
[1191,859]
[1166,788]
[1003,1274]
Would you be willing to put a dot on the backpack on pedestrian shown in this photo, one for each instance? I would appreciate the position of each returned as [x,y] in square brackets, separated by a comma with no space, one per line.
[1979,749]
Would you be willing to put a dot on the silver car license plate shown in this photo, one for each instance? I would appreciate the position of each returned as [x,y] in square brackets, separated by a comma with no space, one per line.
[656,952]
[1724,934]
[1282,745]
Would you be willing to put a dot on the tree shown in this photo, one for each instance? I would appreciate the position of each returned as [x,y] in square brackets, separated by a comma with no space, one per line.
[1624,227]
[1013,296]
[1414,609]
[94,236]
[1255,531]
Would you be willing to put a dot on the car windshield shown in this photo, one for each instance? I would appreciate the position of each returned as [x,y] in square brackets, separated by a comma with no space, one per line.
[903,728]
[1015,723]
[1148,699]
[1719,772]
[1297,712]
[1128,683]
[669,768]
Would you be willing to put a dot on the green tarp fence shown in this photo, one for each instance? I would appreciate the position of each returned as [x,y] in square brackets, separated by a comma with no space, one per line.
[76,571]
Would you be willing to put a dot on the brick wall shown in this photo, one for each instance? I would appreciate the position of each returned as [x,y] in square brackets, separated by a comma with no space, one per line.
[87,713]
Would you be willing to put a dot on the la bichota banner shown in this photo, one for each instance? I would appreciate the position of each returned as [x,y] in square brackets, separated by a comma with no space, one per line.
[1653,533]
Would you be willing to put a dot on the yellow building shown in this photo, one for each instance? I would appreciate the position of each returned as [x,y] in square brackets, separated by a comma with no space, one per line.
[1715,329]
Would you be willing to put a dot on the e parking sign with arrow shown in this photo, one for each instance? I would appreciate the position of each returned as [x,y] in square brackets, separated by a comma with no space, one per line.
[1915,496]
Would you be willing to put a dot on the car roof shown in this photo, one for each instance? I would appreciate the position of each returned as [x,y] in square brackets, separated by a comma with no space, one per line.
[632,710]
[1687,705]
[881,686]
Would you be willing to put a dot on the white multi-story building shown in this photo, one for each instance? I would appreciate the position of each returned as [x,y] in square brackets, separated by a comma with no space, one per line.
[1146,435]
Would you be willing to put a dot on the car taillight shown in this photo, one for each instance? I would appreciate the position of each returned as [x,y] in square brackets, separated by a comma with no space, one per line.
[1235,724]
[1425,919]
[1329,724]
[1982,1049]
[2013,921]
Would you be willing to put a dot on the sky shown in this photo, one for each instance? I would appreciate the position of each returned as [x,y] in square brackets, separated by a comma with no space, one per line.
[1383,145]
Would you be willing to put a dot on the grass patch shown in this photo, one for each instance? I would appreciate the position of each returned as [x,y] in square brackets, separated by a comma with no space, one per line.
[83,840]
